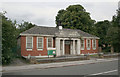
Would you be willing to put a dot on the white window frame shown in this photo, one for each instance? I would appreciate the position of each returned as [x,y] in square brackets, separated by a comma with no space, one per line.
[42,43]
[93,44]
[26,43]
[82,48]
[88,48]
[47,42]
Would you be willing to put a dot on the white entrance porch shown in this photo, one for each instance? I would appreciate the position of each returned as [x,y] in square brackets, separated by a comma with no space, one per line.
[67,46]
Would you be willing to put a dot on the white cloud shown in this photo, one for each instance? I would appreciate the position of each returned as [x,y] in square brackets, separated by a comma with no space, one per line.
[30,12]
[101,10]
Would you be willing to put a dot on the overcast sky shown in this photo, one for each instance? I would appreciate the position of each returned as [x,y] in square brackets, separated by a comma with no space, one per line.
[43,12]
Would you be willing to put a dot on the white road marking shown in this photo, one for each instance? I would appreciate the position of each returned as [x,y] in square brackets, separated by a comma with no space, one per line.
[104,72]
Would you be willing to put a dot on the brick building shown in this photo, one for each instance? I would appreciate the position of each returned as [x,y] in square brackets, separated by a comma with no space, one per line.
[42,41]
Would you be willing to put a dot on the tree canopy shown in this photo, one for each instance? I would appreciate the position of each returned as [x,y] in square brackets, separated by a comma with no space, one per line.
[25,26]
[114,32]
[75,17]
[9,34]
[101,31]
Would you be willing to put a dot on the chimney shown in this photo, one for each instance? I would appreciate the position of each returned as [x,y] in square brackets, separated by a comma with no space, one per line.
[60,27]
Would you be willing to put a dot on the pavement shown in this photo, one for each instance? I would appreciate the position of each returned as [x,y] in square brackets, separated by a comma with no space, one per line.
[88,70]
[57,64]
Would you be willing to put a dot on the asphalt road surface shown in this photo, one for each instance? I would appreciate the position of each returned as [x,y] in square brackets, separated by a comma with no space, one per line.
[103,68]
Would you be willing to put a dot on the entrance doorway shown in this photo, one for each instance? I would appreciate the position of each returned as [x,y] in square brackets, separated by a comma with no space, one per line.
[67,47]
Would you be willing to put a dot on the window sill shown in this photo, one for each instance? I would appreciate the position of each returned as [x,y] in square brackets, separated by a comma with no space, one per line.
[82,48]
[88,48]
[29,49]
[40,49]
[94,48]
[51,48]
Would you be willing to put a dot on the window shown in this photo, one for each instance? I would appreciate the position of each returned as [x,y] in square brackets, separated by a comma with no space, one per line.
[39,42]
[82,43]
[29,42]
[88,44]
[94,44]
[50,42]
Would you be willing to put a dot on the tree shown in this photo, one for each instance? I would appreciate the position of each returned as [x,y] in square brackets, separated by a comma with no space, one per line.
[25,26]
[114,32]
[101,30]
[9,34]
[0,39]
[9,37]
[75,17]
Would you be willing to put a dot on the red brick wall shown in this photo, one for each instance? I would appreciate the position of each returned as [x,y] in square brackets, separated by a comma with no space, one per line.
[34,51]
[85,51]
[43,52]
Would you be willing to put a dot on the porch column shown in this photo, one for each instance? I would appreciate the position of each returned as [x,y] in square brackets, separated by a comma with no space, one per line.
[73,47]
[78,46]
[63,47]
[57,47]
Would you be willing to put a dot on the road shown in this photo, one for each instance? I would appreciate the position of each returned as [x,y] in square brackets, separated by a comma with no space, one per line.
[102,68]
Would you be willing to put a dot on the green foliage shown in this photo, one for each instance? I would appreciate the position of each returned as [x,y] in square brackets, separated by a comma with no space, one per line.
[9,41]
[0,39]
[101,29]
[109,33]
[114,32]
[75,17]
[25,26]
[9,38]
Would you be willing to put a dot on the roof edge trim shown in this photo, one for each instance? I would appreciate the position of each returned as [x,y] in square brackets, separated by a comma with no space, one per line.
[35,35]
[91,37]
